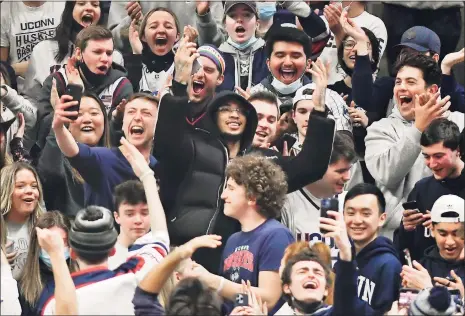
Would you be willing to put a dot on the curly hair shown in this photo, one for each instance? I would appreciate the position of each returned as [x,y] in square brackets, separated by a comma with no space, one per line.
[263,180]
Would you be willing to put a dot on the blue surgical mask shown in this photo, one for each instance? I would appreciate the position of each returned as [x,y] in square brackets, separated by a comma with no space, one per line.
[266,10]
[45,257]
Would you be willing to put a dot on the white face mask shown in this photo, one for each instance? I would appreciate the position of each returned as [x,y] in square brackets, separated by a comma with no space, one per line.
[286,88]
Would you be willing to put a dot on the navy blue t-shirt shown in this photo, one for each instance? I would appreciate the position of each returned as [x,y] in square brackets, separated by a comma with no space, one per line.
[103,169]
[246,254]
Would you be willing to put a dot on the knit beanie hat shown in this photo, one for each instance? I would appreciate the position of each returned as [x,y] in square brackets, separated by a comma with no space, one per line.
[212,53]
[93,231]
[434,301]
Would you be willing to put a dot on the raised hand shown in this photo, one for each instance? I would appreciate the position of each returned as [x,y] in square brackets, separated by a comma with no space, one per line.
[332,14]
[337,229]
[244,93]
[351,28]
[205,241]
[416,277]
[191,33]
[428,108]
[50,240]
[184,59]
[202,7]
[357,116]
[72,73]
[61,115]
[134,39]
[54,97]
[319,73]
[137,161]
[134,10]
[22,126]
[118,113]
[452,59]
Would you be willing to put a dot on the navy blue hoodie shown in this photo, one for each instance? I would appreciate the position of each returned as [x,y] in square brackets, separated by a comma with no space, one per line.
[439,267]
[379,274]
[425,192]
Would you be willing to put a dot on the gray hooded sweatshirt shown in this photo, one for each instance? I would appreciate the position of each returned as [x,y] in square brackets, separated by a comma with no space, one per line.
[393,157]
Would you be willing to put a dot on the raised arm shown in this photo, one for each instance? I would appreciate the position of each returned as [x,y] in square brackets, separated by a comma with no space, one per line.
[65,140]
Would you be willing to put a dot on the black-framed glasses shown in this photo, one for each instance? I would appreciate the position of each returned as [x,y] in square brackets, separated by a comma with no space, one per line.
[229,109]
[350,44]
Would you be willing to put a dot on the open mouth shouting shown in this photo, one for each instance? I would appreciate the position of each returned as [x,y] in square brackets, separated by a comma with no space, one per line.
[29,201]
[310,285]
[262,135]
[136,131]
[240,31]
[87,19]
[198,86]
[101,70]
[405,100]
[161,40]
[288,74]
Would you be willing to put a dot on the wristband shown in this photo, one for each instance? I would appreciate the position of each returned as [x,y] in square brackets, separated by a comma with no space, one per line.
[145,174]
[220,287]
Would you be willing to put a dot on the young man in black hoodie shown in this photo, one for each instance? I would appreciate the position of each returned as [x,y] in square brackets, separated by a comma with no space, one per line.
[440,146]
[442,263]
[91,67]
[377,261]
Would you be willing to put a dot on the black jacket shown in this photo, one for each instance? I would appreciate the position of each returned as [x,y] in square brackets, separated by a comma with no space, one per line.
[194,160]
[439,267]
[425,192]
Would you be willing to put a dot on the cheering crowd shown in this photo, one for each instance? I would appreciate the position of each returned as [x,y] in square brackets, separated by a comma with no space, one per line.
[231,158]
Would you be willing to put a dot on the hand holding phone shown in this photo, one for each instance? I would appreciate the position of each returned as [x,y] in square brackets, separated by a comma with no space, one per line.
[241,300]
[331,204]
[408,258]
[411,205]
[75,91]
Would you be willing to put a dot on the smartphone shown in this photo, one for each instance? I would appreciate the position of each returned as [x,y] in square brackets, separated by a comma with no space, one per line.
[75,91]
[408,258]
[196,66]
[456,297]
[331,204]
[411,205]
[407,296]
[241,300]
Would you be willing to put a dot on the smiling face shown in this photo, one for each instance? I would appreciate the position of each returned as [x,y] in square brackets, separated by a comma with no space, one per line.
[363,219]
[240,23]
[89,127]
[134,220]
[442,161]
[267,122]
[98,55]
[140,118]
[449,239]
[231,119]
[409,82]
[25,196]
[308,282]
[335,178]
[204,82]
[349,51]
[160,32]
[235,199]
[87,12]
[287,62]
[301,114]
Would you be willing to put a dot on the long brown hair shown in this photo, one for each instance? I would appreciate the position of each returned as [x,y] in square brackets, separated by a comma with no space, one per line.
[7,185]
[31,283]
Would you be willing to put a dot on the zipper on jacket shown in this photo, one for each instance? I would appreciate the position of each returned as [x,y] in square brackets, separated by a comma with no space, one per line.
[219,188]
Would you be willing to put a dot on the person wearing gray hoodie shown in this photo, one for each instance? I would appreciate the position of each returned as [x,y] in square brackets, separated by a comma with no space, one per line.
[393,151]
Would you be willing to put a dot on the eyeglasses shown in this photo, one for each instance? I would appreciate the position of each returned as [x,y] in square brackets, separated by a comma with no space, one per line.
[230,110]
[350,44]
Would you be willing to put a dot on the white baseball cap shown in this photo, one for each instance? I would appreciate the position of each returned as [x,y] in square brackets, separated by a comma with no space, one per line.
[448,204]
[299,95]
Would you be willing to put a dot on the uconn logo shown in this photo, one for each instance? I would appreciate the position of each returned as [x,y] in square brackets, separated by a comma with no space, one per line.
[366,288]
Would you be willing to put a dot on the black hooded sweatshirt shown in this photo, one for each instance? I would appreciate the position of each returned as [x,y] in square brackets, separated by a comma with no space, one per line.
[194,161]
[439,267]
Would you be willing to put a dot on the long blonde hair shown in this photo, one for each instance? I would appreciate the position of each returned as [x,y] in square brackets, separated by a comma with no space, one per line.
[31,283]
[7,185]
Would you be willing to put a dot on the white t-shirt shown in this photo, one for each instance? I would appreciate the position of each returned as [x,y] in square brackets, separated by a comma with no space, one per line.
[9,295]
[329,53]
[154,81]
[20,234]
[301,212]
[22,27]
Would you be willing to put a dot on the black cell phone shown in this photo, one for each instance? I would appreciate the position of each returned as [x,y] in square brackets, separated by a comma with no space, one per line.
[241,300]
[331,204]
[411,205]
[75,91]
[406,297]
